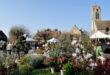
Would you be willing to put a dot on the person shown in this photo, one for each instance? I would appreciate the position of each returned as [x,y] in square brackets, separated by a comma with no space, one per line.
[9,46]
[107,49]
[104,46]
[99,51]
[34,45]
[4,46]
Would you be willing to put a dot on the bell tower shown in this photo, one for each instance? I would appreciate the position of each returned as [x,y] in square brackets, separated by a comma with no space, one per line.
[96,15]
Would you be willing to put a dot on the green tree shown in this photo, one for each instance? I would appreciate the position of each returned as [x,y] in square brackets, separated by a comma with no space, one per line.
[21,45]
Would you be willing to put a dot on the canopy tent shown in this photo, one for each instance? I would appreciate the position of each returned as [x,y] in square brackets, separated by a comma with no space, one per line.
[53,40]
[99,35]
[30,39]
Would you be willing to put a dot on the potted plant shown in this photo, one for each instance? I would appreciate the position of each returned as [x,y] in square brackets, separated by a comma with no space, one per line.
[61,61]
[51,62]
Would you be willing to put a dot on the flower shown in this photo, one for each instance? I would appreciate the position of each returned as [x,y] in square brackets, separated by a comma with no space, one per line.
[50,61]
[87,56]
[101,58]
[61,61]
[93,64]
[77,51]
[74,54]
[90,60]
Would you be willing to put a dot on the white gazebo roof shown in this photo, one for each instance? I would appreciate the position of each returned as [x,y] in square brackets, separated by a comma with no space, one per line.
[99,35]
[30,39]
[54,40]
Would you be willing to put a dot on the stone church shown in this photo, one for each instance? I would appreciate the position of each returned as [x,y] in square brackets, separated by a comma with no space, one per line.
[97,23]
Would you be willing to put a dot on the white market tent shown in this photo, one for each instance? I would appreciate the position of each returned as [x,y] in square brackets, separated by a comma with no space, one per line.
[53,40]
[99,35]
[30,39]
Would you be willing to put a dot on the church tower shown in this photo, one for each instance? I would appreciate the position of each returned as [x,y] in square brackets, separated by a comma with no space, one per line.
[96,15]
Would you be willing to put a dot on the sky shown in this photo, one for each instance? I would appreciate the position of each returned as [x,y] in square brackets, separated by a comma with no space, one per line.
[54,14]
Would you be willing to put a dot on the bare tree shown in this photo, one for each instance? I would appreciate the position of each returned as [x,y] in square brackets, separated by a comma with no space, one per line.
[17,31]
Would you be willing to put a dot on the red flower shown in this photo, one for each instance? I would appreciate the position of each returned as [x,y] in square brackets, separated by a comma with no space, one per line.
[50,61]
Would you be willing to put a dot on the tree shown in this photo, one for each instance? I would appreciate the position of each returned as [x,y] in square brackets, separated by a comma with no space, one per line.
[66,37]
[47,34]
[21,45]
[17,31]
[44,35]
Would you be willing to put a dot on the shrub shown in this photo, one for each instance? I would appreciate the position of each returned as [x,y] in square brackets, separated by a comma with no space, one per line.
[25,69]
[50,62]
[68,69]
[103,69]
[37,62]
[61,61]
[25,59]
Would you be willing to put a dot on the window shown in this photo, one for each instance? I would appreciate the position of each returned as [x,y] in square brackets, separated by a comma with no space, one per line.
[97,15]
[97,9]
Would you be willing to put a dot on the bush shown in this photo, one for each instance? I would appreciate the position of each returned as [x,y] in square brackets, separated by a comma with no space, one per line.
[25,69]
[103,69]
[68,69]
[24,59]
[50,61]
[37,62]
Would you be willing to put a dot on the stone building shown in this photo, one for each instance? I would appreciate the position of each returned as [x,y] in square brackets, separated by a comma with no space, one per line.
[97,23]
[76,32]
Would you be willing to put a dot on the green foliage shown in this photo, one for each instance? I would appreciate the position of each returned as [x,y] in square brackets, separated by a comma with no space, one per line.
[88,47]
[21,45]
[25,69]
[14,48]
[61,49]
[37,62]
[23,60]
[68,69]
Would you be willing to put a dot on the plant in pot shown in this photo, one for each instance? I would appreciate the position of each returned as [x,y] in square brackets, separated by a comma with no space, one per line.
[61,61]
[51,62]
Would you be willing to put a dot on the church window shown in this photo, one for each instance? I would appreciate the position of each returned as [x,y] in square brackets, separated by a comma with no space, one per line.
[97,9]
[97,15]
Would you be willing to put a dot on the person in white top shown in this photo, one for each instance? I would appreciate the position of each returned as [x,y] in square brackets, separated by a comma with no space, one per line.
[9,46]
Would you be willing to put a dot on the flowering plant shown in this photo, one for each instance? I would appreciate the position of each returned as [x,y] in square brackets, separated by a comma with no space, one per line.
[61,61]
[50,61]
[103,69]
